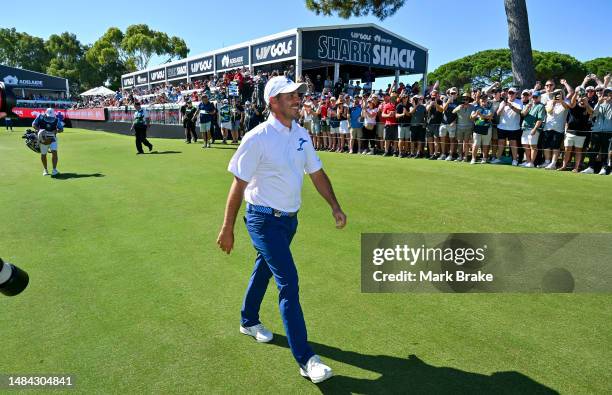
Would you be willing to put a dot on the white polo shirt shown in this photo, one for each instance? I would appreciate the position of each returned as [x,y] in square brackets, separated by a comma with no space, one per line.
[510,119]
[273,159]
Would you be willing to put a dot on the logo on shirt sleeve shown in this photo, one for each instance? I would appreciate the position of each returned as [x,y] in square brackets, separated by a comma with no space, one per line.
[302,141]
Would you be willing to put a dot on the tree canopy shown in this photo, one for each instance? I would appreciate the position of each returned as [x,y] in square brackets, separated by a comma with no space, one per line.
[494,65]
[599,66]
[346,9]
[87,66]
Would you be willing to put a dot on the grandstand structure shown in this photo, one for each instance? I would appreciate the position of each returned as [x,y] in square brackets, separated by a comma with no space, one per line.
[347,51]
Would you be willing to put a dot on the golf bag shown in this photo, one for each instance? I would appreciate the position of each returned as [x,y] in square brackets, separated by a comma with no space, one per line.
[31,140]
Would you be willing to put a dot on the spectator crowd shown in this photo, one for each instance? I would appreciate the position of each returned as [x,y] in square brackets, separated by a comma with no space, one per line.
[549,126]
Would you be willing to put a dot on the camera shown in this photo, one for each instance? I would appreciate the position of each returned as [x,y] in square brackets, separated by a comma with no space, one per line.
[13,280]
[7,99]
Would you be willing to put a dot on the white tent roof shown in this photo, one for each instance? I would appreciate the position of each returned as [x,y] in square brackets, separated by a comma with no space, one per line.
[99,91]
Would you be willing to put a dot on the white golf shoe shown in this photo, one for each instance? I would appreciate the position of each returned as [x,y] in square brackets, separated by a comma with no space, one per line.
[316,370]
[259,332]
[45,172]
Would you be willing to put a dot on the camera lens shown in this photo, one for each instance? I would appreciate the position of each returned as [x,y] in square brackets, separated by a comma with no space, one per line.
[13,280]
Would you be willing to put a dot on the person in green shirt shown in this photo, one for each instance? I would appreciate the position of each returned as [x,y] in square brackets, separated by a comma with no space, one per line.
[534,114]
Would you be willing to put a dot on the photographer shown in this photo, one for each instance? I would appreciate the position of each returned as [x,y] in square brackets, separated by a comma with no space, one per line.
[602,134]
[434,119]
[556,113]
[577,128]
[465,126]
[417,126]
[47,125]
[448,129]
[509,127]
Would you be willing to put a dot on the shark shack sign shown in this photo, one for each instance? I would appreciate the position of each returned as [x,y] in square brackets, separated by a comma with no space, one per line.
[365,46]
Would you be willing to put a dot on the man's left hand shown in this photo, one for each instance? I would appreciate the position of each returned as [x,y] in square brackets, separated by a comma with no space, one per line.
[340,218]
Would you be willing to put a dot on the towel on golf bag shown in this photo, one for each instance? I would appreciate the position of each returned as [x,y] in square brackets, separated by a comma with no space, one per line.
[31,140]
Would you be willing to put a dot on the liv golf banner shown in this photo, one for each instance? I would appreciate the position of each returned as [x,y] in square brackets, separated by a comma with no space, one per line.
[365,46]
[273,50]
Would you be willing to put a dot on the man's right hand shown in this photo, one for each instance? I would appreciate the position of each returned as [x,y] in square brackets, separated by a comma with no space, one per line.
[225,240]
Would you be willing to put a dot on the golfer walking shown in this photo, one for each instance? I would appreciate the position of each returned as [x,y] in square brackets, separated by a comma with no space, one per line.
[268,170]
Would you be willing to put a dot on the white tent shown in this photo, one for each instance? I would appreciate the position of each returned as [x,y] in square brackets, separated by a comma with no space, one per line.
[99,91]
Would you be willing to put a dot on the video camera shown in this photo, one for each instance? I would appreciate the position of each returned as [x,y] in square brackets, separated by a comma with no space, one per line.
[13,280]
[7,99]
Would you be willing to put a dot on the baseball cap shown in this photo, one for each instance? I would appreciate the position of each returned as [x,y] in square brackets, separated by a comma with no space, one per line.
[536,94]
[512,89]
[225,101]
[282,84]
[607,90]
[526,92]
[590,88]
[247,102]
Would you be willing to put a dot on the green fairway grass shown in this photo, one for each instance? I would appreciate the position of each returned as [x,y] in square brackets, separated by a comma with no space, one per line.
[130,293]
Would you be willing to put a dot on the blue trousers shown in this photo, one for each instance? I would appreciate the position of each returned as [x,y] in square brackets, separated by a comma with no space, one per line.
[271,237]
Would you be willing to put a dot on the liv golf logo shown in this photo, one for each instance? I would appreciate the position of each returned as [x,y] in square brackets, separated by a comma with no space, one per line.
[274,50]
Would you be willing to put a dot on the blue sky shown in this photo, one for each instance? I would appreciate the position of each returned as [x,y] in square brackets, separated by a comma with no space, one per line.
[449,28]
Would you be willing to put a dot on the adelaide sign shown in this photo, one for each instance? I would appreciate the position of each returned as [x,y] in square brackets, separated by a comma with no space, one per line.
[232,59]
[366,46]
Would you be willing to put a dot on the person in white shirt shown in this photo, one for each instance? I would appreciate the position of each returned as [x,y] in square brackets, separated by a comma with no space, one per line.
[509,127]
[554,128]
[268,169]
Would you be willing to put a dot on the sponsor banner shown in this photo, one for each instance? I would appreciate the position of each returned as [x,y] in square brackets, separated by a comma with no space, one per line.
[89,114]
[25,112]
[157,75]
[366,46]
[19,78]
[201,66]
[142,78]
[272,50]
[176,71]
[232,59]
[486,262]
[128,82]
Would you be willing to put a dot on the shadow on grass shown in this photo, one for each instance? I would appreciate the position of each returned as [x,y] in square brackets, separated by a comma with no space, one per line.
[165,152]
[412,375]
[68,176]
[223,146]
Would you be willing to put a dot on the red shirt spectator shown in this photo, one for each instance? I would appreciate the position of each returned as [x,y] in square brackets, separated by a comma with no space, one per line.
[389,109]
[324,110]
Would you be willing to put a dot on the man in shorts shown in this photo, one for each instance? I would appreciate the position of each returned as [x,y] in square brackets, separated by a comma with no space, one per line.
[47,125]
[206,111]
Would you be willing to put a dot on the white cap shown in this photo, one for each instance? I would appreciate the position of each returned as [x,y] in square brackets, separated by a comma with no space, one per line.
[282,84]
[50,112]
